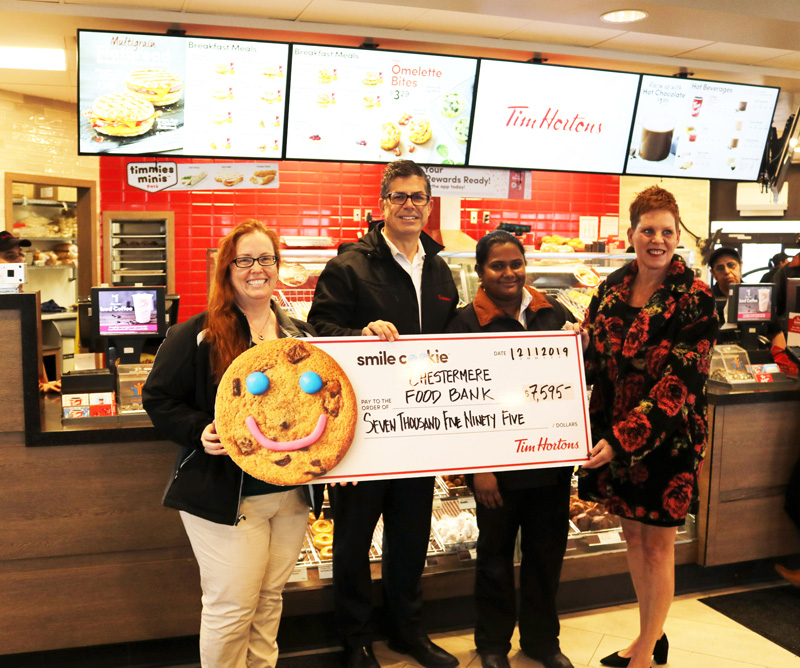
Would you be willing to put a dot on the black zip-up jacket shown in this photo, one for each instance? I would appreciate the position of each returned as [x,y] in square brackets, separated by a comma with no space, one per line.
[179,396]
[544,313]
[364,283]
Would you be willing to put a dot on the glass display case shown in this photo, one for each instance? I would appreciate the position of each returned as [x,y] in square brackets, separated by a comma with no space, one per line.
[568,276]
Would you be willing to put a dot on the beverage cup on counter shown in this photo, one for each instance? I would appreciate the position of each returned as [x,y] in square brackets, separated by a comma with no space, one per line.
[656,138]
[142,306]
[696,104]
[763,299]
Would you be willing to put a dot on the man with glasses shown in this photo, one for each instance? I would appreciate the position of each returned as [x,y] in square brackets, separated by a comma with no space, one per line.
[388,284]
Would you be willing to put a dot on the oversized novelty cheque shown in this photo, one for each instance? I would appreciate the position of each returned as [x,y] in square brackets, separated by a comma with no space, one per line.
[357,408]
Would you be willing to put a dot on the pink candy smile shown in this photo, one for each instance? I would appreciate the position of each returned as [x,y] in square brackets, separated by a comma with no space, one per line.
[287,446]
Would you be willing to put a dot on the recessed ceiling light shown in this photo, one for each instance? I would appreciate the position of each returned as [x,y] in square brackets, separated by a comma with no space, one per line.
[624,16]
[32,59]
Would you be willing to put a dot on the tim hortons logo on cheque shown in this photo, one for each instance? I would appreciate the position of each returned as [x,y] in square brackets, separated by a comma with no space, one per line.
[545,445]
[552,119]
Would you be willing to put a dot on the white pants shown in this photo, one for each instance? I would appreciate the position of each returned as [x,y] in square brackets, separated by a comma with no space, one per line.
[242,572]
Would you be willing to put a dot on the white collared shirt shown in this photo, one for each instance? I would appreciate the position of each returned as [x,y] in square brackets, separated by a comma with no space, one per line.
[527,298]
[412,267]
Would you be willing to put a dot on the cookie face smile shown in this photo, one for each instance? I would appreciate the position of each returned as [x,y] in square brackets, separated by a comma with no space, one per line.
[285,412]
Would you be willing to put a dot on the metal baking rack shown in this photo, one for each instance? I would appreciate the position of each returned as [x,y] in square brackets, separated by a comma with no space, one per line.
[295,301]
[434,544]
[441,489]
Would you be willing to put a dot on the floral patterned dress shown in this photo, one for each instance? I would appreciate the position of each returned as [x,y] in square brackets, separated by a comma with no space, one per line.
[649,394]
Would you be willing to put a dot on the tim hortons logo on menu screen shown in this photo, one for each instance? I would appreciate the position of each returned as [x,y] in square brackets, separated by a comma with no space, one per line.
[552,120]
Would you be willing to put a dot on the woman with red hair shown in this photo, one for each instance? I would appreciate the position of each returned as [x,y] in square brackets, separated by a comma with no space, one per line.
[245,533]
[648,337]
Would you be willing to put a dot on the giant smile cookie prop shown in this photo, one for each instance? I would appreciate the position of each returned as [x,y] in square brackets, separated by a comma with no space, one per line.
[285,412]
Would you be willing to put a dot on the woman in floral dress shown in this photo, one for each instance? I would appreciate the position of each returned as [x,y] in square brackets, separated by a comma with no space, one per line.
[651,327]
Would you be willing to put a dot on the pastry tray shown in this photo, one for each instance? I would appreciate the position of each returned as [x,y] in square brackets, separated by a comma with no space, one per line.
[450,508]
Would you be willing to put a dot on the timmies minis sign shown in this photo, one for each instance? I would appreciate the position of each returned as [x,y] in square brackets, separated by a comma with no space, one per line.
[461,403]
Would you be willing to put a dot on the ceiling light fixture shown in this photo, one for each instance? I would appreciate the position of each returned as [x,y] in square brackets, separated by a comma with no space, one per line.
[624,16]
[32,59]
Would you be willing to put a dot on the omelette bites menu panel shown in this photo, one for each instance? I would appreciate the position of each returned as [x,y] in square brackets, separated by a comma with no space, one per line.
[157,94]
[374,106]
[703,129]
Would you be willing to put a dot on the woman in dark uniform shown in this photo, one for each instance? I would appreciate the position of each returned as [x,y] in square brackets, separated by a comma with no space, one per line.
[535,501]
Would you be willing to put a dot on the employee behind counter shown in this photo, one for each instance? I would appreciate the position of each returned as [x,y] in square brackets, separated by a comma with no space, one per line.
[726,268]
[10,253]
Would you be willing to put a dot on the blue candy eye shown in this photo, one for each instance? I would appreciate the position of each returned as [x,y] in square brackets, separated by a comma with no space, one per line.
[257,383]
[310,382]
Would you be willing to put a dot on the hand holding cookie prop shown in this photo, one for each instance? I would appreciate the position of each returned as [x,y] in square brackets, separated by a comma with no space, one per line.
[286,412]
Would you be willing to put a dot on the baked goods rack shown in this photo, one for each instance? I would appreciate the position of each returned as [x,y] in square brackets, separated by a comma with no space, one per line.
[295,301]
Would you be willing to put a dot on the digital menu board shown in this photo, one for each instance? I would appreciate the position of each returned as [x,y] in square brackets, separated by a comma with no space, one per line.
[375,106]
[701,129]
[180,96]
[555,118]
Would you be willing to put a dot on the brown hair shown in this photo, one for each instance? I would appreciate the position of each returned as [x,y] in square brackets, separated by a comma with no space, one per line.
[653,199]
[222,330]
[402,169]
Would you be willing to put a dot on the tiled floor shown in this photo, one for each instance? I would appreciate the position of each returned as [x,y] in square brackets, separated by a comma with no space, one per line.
[699,637]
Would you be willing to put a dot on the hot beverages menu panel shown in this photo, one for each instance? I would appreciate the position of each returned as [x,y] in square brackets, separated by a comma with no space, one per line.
[702,129]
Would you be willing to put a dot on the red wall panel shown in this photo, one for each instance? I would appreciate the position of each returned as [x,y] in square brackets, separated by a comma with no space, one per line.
[318,199]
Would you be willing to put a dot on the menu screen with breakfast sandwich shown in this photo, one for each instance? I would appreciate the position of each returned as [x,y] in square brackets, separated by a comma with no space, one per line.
[701,129]
[376,106]
[180,96]
[530,116]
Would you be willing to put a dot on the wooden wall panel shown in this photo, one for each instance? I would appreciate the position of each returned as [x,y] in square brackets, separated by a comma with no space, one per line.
[760,445]
[86,499]
[12,414]
[53,608]
[753,529]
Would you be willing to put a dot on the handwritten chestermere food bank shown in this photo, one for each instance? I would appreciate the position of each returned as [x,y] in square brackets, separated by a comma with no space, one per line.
[463,403]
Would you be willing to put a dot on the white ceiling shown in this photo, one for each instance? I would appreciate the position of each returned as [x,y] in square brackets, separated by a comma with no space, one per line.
[744,41]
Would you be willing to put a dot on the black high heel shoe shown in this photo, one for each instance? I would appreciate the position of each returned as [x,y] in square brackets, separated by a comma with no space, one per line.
[660,652]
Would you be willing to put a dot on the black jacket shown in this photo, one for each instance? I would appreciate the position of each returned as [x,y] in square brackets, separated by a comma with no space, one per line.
[543,314]
[179,396]
[364,283]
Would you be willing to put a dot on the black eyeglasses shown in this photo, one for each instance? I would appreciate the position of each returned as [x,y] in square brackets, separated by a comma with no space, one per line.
[417,199]
[247,262]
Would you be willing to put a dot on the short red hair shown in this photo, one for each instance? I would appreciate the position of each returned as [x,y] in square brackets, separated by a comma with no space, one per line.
[653,199]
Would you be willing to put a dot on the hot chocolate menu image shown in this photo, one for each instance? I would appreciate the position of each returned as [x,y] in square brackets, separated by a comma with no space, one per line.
[157,94]
[702,129]
[356,104]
